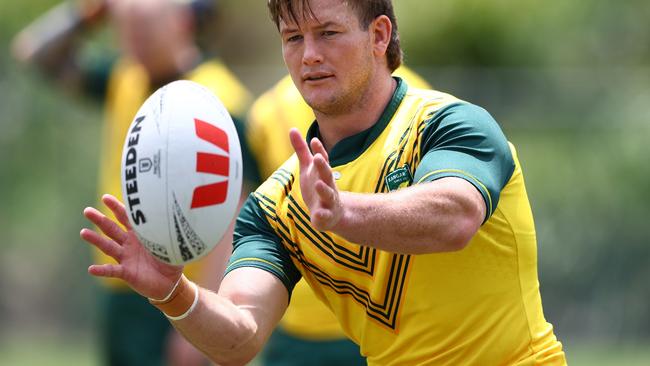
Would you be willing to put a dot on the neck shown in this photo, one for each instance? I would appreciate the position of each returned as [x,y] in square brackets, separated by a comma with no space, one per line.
[179,62]
[334,128]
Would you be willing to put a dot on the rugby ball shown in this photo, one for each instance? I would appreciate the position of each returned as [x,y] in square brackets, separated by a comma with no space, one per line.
[181,172]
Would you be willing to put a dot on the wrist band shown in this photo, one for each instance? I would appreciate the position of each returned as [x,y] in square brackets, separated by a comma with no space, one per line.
[190,309]
[169,294]
[180,302]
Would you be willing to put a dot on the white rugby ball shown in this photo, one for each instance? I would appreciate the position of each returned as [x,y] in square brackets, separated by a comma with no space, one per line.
[181,172]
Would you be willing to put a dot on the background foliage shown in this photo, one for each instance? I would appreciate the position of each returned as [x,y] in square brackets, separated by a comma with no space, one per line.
[568,80]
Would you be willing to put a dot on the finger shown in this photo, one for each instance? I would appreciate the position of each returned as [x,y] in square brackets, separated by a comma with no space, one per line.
[320,219]
[324,170]
[107,270]
[106,225]
[301,148]
[326,194]
[118,209]
[318,148]
[104,244]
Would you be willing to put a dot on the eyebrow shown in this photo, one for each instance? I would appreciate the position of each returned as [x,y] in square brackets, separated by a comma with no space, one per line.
[293,29]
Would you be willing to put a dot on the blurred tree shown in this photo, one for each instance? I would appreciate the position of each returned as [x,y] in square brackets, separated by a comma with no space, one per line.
[527,33]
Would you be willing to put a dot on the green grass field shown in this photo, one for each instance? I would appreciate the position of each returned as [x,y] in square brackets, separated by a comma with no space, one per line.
[604,354]
[48,351]
[54,351]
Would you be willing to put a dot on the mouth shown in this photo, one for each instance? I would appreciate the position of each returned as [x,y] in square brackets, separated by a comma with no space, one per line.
[316,76]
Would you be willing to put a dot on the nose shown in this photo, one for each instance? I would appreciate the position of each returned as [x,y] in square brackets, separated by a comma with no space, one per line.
[311,53]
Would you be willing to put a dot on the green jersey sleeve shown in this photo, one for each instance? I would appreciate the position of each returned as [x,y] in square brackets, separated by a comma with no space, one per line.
[463,140]
[255,244]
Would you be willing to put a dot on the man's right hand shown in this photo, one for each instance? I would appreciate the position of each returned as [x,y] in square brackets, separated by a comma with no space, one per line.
[135,265]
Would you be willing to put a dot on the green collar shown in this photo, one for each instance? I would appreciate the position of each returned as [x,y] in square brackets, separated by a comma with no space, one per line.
[351,147]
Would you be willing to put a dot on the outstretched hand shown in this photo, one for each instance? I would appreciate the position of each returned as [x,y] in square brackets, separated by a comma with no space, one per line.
[317,184]
[135,265]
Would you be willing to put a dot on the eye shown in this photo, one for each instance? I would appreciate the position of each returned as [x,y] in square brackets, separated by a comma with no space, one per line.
[293,38]
[329,33]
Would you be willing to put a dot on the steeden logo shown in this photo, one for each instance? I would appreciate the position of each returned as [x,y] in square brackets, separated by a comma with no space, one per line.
[216,193]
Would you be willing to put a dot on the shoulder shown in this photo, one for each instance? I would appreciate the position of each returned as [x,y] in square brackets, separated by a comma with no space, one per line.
[463,140]
[421,105]
[411,77]
[430,99]
[463,118]
[278,185]
[282,100]
[126,71]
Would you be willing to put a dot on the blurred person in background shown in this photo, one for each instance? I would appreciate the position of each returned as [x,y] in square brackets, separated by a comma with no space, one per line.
[308,333]
[159,42]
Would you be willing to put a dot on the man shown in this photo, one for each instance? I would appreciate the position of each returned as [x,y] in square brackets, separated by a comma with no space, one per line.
[158,44]
[308,333]
[406,213]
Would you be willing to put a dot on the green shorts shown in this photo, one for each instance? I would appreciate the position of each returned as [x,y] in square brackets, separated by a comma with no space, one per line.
[133,332]
[283,349]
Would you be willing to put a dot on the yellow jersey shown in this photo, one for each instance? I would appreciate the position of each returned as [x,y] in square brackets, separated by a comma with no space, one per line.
[267,135]
[477,306]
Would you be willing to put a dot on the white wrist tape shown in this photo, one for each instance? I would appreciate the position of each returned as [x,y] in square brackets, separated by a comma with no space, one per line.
[190,309]
[170,292]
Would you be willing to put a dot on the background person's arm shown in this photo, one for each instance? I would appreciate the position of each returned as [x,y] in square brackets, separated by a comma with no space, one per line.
[52,41]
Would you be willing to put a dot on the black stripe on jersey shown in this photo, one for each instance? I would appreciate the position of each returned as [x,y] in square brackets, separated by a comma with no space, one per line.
[385,311]
[384,171]
[267,202]
[278,225]
[286,175]
[421,127]
[416,157]
[268,207]
[306,219]
[403,139]
[285,178]
[356,261]
[392,161]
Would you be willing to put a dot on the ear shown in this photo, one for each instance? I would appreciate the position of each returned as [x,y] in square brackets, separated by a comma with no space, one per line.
[381,29]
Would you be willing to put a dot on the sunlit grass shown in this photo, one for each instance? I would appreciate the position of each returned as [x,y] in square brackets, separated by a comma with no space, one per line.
[583,353]
[48,351]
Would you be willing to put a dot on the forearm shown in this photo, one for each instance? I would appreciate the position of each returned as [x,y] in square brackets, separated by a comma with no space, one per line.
[439,216]
[50,41]
[232,326]
[223,331]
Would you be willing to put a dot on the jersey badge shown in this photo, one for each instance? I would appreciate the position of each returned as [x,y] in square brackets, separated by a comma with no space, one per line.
[399,178]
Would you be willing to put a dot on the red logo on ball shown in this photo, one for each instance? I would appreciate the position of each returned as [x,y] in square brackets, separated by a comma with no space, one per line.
[216,193]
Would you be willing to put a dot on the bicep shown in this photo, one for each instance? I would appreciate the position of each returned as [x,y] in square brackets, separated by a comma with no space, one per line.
[465,195]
